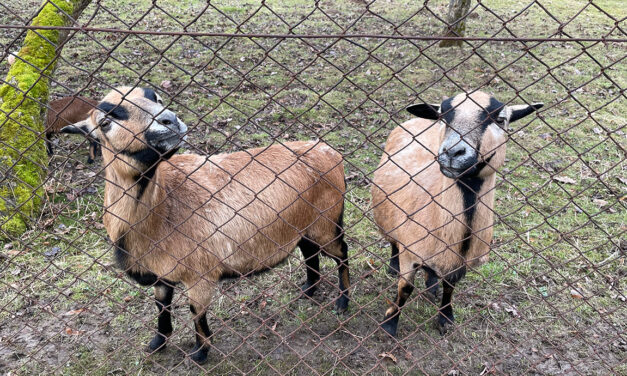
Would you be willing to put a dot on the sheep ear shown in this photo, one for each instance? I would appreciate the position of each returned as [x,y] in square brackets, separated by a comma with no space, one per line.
[425,111]
[82,127]
[520,111]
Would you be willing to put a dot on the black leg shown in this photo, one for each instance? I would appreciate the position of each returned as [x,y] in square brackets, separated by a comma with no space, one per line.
[311,253]
[445,316]
[201,349]
[431,283]
[390,321]
[394,268]
[341,305]
[49,147]
[163,297]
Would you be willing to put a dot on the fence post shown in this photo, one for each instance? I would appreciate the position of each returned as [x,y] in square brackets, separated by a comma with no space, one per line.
[23,96]
[456,23]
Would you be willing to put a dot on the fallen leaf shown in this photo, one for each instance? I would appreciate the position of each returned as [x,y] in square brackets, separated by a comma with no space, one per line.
[510,309]
[128,298]
[13,252]
[597,130]
[575,294]
[166,84]
[599,202]
[564,179]
[371,264]
[274,325]
[72,332]
[263,304]
[388,355]
[75,312]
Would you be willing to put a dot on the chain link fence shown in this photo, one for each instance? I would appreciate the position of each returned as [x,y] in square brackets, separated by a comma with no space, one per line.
[245,75]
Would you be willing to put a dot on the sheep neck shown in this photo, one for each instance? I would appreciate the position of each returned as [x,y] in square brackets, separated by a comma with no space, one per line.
[477,199]
[132,199]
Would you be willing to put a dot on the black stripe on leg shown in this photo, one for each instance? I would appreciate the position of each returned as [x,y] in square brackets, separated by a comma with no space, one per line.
[394,268]
[201,349]
[311,254]
[344,278]
[163,299]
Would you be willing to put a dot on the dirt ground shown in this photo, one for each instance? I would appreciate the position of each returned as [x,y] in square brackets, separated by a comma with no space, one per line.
[551,300]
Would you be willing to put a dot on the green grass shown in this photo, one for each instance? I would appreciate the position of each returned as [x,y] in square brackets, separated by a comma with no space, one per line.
[515,313]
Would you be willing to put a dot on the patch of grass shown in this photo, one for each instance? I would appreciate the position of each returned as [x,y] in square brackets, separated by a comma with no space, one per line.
[517,313]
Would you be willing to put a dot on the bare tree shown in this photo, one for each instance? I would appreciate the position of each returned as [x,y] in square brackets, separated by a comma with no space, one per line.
[456,22]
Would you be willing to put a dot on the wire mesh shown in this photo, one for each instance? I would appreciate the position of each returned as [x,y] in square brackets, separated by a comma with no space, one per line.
[288,107]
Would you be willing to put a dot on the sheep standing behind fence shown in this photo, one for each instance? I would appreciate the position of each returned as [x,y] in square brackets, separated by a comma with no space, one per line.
[195,219]
[439,215]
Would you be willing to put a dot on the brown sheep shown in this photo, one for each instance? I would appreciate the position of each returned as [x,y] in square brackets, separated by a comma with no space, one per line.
[433,193]
[65,111]
[195,219]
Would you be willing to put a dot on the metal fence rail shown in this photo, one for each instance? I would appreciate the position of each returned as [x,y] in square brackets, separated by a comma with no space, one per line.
[242,76]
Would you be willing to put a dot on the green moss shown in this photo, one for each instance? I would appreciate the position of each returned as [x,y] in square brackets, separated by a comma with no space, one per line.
[23,155]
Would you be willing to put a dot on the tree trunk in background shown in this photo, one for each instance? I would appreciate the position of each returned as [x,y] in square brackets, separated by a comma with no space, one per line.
[457,9]
[23,157]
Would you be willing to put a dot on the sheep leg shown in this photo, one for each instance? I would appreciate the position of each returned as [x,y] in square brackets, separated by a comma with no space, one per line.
[431,283]
[49,146]
[404,290]
[311,254]
[200,296]
[163,298]
[339,253]
[393,268]
[445,316]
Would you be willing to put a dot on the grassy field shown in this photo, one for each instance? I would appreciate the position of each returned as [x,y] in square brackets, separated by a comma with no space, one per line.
[550,301]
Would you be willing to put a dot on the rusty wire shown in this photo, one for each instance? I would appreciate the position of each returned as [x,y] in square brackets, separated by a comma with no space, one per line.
[303,336]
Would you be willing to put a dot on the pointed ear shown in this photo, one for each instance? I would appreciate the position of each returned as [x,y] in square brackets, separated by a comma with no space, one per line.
[520,111]
[425,111]
[82,127]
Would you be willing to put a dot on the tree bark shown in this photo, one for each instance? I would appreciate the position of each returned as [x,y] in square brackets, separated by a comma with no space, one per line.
[23,157]
[457,10]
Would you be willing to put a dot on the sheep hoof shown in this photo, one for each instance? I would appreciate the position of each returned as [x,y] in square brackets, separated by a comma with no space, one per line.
[90,161]
[199,354]
[444,324]
[308,290]
[157,343]
[392,271]
[390,326]
[341,304]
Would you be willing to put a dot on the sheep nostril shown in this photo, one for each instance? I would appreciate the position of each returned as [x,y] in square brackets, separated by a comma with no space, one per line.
[166,122]
[459,153]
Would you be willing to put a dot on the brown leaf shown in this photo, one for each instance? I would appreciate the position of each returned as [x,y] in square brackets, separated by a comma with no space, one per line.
[75,312]
[71,332]
[274,325]
[166,84]
[128,298]
[263,304]
[388,355]
[564,179]
[575,294]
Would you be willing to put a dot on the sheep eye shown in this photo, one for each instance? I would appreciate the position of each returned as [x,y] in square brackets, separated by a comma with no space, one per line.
[500,121]
[105,124]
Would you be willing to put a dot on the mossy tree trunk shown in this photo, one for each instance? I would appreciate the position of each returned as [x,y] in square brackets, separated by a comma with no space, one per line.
[23,158]
[457,11]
